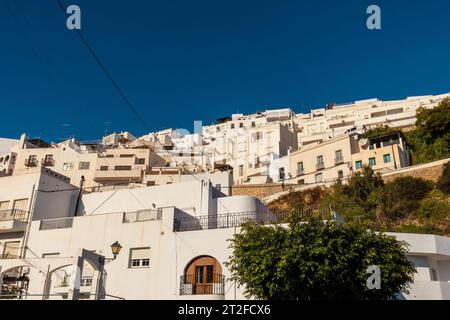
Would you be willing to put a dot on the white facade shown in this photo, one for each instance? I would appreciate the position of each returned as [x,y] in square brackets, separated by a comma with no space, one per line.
[167,233]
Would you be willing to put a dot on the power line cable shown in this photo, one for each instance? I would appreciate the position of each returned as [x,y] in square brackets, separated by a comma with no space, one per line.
[107,73]
[122,94]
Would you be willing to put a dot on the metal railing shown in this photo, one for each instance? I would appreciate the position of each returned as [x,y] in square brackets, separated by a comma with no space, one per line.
[236,219]
[189,285]
[60,223]
[9,256]
[320,165]
[31,162]
[338,160]
[13,214]
[142,215]
[49,162]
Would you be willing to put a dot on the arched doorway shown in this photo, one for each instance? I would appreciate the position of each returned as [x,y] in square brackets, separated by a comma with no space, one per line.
[64,278]
[14,282]
[203,275]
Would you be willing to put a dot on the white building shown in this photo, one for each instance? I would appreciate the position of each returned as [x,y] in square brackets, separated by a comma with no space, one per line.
[173,242]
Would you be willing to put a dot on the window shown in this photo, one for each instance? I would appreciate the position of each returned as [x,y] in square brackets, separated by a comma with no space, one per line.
[67,166]
[320,165]
[140,257]
[372,162]
[387,158]
[4,205]
[20,204]
[139,161]
[299,168]
[232,126]
[218,186]
[340,175]
[103,168]
[319,159]
[86,282]
[241,170]
[122,168]
[281,173]
[241,125]
[110,156]
[338,157]
[358,164]
[319,178]
[11,249]
[84,165]
[301,181]
[126,156]
[253,124]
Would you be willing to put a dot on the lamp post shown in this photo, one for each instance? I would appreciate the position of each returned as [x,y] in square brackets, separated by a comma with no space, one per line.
[115,249]
[23,280]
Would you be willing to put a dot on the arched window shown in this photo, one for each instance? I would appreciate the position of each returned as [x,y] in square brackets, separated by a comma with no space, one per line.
[203,275]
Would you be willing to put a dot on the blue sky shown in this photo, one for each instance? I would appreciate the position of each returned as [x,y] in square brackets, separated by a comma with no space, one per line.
[180,61]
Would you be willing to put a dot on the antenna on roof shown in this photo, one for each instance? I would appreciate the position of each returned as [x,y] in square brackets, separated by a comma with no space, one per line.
[106,128]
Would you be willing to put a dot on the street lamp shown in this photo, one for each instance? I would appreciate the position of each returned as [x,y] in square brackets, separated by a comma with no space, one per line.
[115,249]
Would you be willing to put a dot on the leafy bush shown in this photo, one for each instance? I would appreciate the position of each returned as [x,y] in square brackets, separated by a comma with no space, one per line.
[434,210]
[317,261]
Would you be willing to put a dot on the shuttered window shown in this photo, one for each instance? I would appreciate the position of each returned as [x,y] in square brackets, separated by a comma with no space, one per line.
[11,250]
[4,205]
[20,204]
[140,258]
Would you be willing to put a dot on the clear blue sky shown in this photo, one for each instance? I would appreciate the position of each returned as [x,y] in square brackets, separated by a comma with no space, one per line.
[180,61]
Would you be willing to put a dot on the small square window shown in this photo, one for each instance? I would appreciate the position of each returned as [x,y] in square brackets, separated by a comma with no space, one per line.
[84,165]
[387,158]
[372,162]
[135,262]
[358,164]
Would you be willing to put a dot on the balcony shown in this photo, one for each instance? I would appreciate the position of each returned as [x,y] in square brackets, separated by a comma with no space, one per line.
[119,173]
[53,224]
[13,220]
[320,165]
[190,285]
[142,215]
[48,162]
[9,256]
[236,219]
[338,160]
[31,162]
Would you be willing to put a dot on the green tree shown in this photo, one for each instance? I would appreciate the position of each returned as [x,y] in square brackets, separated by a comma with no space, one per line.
[379,131]
[401,197]
[357,198]
[430,140]
[317,260]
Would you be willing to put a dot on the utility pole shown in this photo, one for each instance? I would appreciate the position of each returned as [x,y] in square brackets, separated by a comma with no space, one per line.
[79,195]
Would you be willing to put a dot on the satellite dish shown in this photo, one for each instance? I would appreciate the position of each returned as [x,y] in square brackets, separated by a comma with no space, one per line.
[363,142]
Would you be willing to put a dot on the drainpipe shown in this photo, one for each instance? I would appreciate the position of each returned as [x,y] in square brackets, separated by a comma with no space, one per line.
[79,196]
[23,250]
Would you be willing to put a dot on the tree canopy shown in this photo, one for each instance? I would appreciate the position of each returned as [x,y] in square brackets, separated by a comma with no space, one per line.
[430,139]
[316,260]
